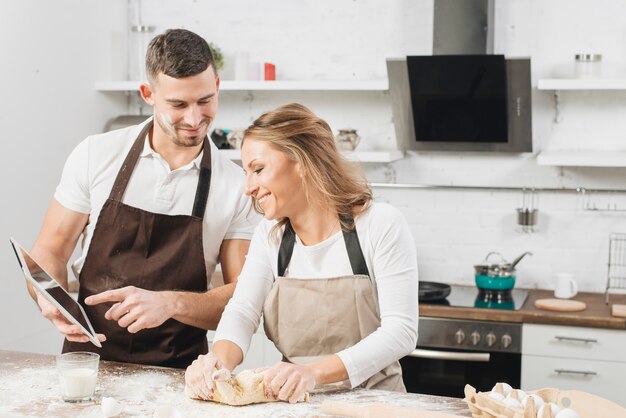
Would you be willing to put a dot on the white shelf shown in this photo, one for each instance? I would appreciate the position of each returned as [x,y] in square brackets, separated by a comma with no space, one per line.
[360,156]
[583,158]
[374,156]
[347,85]
[581,84]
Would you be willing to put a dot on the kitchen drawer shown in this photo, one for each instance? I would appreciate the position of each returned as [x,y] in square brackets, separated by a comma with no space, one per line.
[605,378]
[574,342]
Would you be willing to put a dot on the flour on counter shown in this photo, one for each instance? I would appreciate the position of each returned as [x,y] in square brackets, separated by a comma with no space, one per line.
[32,390]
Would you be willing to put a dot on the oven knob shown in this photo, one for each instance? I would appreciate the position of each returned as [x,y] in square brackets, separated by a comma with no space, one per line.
[459,336]
[475,338]
[491,339]
[506,340]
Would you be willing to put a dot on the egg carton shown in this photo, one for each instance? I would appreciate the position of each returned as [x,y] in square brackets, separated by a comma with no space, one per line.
[573,404]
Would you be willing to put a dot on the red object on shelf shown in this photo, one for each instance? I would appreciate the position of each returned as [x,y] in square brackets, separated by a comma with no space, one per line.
[270,71]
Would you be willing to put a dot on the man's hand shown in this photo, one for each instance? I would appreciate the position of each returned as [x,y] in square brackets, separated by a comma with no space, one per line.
[71,331]
[134,308]
[289,382]
[201,374]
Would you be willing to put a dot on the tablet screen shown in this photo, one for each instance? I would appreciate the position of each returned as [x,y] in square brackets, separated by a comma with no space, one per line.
[45,283]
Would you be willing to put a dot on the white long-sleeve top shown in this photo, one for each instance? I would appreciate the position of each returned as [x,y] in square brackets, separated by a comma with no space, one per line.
[390,255]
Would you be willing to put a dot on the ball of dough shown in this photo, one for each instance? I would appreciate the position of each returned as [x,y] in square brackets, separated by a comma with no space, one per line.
[247,387]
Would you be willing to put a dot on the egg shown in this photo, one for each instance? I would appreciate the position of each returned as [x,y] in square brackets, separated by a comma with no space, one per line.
[496,395]
[506,388]
[110,407]
[567,413]
[553,407]
[513,403]
[166,411]
[536,398]
[517,394]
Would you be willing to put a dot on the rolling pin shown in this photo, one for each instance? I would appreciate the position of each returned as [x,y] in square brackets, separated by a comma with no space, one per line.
[378,410]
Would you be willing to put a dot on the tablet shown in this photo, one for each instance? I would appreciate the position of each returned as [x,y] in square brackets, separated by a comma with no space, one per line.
[49,288]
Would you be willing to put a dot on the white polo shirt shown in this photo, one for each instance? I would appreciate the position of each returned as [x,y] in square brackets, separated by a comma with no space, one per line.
[92,167]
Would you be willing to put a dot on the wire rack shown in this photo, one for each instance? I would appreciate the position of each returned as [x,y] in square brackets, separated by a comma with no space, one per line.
[616,278]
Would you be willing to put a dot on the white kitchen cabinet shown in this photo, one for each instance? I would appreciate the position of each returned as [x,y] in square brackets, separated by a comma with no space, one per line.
[262,351]
[587,359]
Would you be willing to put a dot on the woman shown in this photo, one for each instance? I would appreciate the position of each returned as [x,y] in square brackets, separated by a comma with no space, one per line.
[334,274]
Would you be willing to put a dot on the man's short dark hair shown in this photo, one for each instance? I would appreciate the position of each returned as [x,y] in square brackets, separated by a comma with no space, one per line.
[177,53]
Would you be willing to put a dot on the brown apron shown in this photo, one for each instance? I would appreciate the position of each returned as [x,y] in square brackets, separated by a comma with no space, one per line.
[311,319]
[157,252]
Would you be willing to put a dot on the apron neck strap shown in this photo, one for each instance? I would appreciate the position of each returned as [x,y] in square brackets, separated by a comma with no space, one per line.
[204,182]
[286,248]
[351,240]
[123,176]
[355,254]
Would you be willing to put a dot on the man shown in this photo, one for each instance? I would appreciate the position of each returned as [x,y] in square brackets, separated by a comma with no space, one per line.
[158,207]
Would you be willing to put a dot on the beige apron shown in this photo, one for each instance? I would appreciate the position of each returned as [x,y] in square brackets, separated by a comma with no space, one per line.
[311,319]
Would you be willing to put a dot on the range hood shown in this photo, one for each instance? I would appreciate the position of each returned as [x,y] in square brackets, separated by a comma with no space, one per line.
[478,103]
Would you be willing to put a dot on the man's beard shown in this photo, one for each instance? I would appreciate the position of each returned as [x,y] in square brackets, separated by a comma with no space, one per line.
[173,133]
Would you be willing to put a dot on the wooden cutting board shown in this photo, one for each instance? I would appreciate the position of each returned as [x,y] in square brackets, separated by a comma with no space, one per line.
[618,310]
[585,404]
[562,305]
[378,410]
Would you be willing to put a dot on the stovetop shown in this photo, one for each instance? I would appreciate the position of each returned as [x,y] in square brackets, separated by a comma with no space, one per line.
[472,297]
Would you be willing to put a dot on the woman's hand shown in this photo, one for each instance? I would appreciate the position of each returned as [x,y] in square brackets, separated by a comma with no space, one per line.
[201,374]
[289,382]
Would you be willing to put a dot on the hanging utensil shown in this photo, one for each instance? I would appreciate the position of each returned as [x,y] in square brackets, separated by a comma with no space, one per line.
[527,214]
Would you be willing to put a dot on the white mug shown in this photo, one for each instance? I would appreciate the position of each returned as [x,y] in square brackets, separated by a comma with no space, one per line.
[566,287]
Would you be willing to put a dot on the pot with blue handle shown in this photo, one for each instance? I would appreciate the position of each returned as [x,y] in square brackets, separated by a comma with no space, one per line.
[499,275]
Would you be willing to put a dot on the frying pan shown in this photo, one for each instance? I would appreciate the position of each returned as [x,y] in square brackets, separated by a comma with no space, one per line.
[433,292]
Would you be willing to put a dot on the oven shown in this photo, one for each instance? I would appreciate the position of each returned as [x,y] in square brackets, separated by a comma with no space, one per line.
[451,353]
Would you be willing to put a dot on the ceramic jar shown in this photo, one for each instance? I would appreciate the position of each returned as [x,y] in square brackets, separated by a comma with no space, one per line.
[234,138]
[347,139]
[588,65]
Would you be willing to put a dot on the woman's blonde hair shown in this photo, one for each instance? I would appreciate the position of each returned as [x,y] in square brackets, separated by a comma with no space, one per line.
[308,140]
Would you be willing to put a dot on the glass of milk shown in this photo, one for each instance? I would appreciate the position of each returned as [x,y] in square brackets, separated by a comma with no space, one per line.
[78,373]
